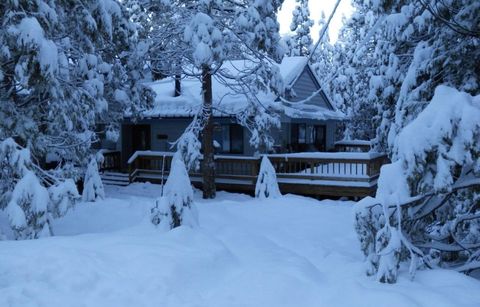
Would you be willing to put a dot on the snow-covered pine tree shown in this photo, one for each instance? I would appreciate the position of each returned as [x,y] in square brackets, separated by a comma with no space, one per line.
[323,54]
[346,74]
[301,24]
[61,65]
[421,45]
[415,51]
[287,41]
[197,37]
[431,193]
[267,185]
[92,183]
[65,67]
[176,207]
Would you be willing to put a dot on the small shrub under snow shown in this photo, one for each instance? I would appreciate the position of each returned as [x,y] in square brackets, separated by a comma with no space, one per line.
[27,209]
[92,184]
[267,185]
[176,207]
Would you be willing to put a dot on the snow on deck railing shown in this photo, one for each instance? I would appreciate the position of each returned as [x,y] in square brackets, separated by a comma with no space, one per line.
[331,164]
[354,142]
[149,153]
[286,156]
[331,155]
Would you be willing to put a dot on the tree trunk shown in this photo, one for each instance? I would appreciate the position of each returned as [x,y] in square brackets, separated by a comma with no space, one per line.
[208,163]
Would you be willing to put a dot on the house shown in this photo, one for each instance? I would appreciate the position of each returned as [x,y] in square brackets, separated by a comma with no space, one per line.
[308,118]
[303,157]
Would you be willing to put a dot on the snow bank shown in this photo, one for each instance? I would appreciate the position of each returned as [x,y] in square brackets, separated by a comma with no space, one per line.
[304,254]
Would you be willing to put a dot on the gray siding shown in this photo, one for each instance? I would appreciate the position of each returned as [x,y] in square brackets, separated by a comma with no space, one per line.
[305,86]
[173,128]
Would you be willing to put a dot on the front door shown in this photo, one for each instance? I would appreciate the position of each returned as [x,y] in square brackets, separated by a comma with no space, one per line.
[141,137]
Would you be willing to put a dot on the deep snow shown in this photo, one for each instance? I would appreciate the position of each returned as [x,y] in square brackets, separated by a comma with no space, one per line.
[292,251]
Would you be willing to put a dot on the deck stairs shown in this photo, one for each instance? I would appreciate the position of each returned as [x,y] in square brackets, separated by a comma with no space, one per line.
[115,178]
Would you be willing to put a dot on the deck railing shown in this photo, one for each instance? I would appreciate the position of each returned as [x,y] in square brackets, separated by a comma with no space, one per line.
[340,166]
[353,146]
[300,171]
[111,160]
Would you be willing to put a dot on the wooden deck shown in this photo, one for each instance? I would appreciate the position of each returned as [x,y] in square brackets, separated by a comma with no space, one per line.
[334,174]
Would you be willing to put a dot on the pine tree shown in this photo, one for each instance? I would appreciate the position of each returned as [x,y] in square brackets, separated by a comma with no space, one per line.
[433,200]
[63,65]
[431,193]
[347,73]
[301,24]
[66,66]
[197,37]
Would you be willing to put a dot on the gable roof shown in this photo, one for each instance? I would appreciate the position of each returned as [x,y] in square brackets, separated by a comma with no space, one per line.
[228,102]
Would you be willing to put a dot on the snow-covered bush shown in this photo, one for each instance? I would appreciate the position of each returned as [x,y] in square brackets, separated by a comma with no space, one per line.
[14,162]
[63,196]
[27,209]
[92,184]
[24,194]
[176,207]
[427,206]
[267,185]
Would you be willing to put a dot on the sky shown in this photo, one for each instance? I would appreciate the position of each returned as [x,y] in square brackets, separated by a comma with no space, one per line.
[316,7]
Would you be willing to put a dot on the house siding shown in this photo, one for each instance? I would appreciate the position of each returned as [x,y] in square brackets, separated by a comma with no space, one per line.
[173,129]
[305,86]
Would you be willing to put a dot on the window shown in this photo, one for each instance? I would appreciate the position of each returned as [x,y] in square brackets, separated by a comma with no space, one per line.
[225,138]
[310,134]
[308,137]
[236,139]
[232,139]
[302,134]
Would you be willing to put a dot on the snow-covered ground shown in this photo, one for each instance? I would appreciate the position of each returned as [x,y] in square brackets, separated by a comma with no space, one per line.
[292,251]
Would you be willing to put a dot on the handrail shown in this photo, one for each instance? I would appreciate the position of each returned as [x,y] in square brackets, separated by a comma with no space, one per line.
[345,167]
[111,160]
[334,174]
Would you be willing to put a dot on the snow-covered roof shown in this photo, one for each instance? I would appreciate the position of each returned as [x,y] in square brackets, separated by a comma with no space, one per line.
[226,101]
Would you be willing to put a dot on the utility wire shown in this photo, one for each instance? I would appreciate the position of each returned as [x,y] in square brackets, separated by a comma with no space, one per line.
[324,30]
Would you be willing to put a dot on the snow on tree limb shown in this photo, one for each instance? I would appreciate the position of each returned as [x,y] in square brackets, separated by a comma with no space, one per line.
[429,197]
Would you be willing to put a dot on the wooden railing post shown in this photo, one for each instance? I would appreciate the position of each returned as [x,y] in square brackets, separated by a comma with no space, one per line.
[255,169]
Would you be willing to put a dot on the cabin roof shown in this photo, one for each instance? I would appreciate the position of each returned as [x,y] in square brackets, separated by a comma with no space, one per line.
[229,102]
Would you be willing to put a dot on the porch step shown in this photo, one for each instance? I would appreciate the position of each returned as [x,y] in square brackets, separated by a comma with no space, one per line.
[114,178]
